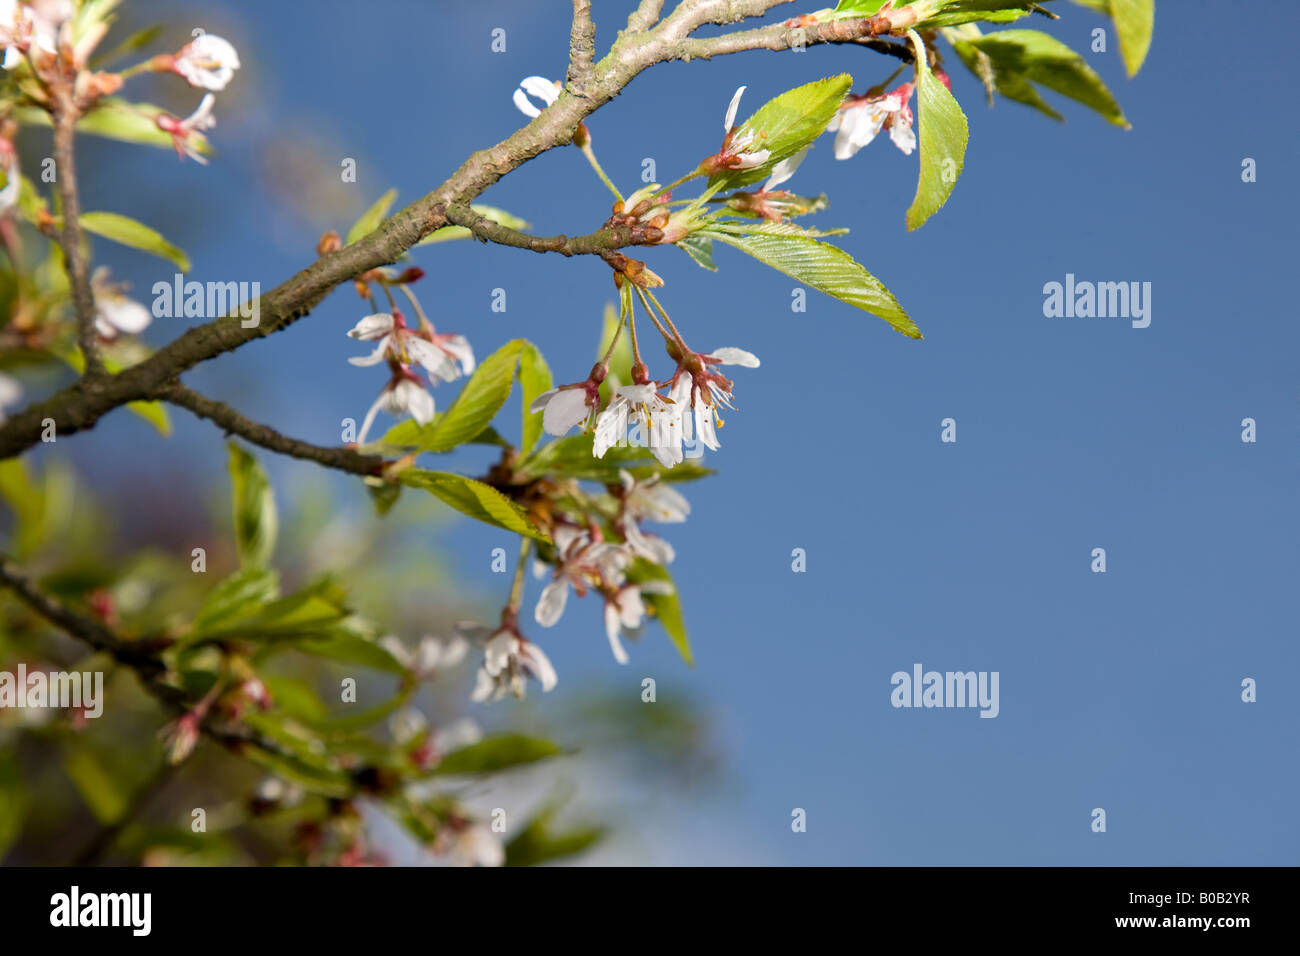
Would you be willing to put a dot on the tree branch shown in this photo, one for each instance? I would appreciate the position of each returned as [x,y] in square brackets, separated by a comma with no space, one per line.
[83,299]
[231,422]
[82,404]
[582,45]
[596,243]
[147,667]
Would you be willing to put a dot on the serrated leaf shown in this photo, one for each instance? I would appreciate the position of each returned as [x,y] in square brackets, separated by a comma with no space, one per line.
[534,379]
[785,125]
[477,404]
[235,597]
[121,120]
[496,753]
[667,607]
[1134,22]
[571,457]
[256,520]
[1043,59]
[943,135]
[499,216]
[371,218]
[700,249]
[128,232]
[473,498]
[827,269]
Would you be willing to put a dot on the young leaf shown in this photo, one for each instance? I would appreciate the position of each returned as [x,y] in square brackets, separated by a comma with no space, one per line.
[1021,56]
[700,249]
[497,753]
[118,119]
[236,597]
[785,125]
[943,140]
[477,404]
[825,268]
[473,498]
[534,379]
[667,607]
[371,218]
[1134,22]
[254,509]
[137,235]
[541,842]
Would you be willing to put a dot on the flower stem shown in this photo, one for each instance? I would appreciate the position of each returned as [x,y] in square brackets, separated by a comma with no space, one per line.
[517,588]
[591,158]
[681,342]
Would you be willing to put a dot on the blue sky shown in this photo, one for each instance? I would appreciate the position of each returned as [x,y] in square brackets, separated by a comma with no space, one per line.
[1118,690]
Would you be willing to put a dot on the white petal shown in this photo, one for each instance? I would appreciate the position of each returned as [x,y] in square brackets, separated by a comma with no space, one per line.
[460,349]
[611,427]
[568,408]
[704,427]
[413,399]
[484,686]
[612,625]
[498,651]
[11,390]
[903,137]
[373,326]
[551,604]
[539,403]
[542,88]
[731,356]
[785,169]
[374,358]
[525,107]
[731,111]
[540,665]
[435,360]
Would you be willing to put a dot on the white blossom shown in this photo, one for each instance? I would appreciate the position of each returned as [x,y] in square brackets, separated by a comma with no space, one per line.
[208,62]
[538,87]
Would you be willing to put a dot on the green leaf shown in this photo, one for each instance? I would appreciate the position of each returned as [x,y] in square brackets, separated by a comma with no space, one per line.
[349,646]
[137,235]
[942,138]
[1022,56]
[667,607]
[827,269]
[99,786]
[118,119]
[499,216]
[540,842]
[785,125]
[534,379]
[155,413]
[136,41]
[571,457]
[1134,22]
[700,249]
[473,498]
[13,801]
[496,753]
[476,405]
[236,597]
[383,494]
[371,218]
[256,520]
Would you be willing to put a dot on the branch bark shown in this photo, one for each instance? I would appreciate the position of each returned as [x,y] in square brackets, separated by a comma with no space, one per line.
[231,422]
[82,404]
[83,299]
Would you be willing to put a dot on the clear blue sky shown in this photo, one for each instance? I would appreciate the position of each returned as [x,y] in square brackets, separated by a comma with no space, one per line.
[1118,690]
